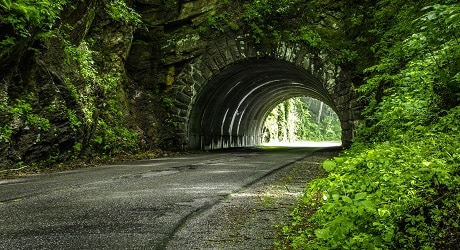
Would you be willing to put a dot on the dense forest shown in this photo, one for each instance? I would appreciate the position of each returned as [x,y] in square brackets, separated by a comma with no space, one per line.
[302,119]
[397,187]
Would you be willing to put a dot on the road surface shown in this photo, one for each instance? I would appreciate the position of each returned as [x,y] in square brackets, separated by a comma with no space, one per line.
[137,205]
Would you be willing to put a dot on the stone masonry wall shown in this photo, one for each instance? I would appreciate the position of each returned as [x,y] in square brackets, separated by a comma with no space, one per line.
[233,48]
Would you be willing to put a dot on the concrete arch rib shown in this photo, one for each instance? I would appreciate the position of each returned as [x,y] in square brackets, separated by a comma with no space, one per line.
[230,109]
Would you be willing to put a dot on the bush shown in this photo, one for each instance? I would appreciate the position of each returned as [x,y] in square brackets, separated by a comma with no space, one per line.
[398,186]
[391,195]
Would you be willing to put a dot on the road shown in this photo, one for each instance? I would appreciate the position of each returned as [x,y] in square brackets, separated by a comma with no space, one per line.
[137,205]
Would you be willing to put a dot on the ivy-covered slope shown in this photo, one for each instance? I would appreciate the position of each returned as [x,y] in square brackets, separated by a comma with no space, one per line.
[398,187]
[63,91]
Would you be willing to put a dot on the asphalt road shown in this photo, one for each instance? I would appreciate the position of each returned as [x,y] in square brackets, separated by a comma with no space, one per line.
[138,205]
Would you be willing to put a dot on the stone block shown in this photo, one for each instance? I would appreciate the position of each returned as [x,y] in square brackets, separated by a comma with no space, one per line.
[205,72]
[226,53]
[210,64]
[179,119]
[198,79]
[188,90]
[280,51]
[183,113]
[177,88]
[299,56]
[233,49]
[176,111]
[214,53]
[182,105]
[252,51]
[291,53]
[242,50]
[183,98]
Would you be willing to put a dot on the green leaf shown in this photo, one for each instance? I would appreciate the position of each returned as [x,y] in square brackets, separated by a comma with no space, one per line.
[368,205]
[360,196]
[347,199]
[335,197]
[6,4]
[322,233]
[329,165]
[339,160]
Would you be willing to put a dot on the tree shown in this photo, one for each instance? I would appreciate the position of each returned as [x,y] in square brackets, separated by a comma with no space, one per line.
[302,119]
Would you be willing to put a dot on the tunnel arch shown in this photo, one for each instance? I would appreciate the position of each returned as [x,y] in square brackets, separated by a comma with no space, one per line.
[231,109]
[223,96]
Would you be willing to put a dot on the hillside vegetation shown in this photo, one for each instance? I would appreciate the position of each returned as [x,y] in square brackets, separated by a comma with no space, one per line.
[398,186]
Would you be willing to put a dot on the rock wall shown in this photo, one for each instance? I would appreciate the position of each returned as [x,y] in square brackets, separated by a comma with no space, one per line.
[170,38]
[95,83]
[55,88]
[35,98]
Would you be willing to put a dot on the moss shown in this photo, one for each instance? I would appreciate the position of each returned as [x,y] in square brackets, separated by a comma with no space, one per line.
[170,76]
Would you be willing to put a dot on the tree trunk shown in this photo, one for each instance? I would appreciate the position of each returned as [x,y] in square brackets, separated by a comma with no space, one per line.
[320,111]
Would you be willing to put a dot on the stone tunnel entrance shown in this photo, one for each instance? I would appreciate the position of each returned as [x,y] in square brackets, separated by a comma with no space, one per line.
[223,96]
[230,111]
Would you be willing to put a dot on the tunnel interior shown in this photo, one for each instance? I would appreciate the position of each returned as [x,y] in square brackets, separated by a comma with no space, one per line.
[231,108]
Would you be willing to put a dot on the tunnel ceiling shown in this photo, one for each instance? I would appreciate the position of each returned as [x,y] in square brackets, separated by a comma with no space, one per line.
[232,107]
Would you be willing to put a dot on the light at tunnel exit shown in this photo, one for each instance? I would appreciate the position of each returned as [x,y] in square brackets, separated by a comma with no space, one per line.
[302,122]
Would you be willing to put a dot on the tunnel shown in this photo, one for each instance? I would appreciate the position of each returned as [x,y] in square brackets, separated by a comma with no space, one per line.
[231,108]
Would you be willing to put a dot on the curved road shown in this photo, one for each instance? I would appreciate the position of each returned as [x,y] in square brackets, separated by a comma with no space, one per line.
[138,205]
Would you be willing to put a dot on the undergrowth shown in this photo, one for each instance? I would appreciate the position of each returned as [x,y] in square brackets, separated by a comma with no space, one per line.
[398,187]
[399,195]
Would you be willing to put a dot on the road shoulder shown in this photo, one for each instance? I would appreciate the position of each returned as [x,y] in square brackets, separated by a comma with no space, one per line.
[248,219]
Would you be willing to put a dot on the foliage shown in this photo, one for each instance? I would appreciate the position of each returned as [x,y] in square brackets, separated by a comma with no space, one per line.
[22,113]
[330,26]
[25,16]
[83,56]
[119,11]
[296,119]
[99,99]
[316,121]
[96,109]
[416,78]
[269,21]
[75,123]
[220,21]
[398,195]
[114,140]
[398,186]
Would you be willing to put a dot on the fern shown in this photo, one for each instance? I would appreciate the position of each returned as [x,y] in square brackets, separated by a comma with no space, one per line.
[6,4]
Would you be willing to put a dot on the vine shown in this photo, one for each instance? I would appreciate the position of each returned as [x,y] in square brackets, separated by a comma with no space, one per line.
[109,136]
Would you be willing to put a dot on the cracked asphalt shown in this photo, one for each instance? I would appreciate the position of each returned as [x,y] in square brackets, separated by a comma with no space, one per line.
[138,205]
